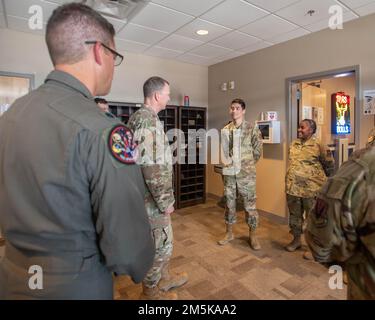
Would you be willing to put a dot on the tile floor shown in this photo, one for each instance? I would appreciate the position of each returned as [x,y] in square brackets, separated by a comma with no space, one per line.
[235,271]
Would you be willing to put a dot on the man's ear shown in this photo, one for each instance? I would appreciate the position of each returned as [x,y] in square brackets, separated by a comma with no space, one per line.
[98,54]
[156,95]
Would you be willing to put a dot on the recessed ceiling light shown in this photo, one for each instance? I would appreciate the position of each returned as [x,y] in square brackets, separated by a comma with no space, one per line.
[202,32]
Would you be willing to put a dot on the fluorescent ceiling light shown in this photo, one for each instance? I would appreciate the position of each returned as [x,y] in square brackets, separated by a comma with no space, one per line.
[202,32]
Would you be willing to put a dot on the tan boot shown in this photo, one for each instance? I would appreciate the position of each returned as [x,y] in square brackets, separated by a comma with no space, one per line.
[156,294]
[169,281]
[294,245]
[253,241]
[2,241]
[307,255]
[228,236]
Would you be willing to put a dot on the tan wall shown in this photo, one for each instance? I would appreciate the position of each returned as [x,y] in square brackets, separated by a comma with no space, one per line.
[27,53]
[260,80]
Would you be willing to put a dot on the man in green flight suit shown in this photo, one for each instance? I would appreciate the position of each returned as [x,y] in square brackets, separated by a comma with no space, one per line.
[72,209]
[156,163]
[341,227]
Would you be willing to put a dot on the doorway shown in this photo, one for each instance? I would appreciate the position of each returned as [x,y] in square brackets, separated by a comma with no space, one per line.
[13,86]
[316,96]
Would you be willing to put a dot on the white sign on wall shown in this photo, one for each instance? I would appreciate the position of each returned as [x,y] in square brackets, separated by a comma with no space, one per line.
[369,102]
[307,112]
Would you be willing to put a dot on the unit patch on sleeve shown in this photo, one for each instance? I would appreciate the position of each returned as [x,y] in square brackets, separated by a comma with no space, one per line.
[121,144]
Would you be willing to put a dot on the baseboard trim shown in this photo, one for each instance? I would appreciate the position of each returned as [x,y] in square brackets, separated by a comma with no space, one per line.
[270,216]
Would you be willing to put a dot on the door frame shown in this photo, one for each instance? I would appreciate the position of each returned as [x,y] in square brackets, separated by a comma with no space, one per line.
[318,75]
[20,75]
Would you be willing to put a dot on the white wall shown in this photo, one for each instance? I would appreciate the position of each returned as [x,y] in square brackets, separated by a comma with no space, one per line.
[27,53]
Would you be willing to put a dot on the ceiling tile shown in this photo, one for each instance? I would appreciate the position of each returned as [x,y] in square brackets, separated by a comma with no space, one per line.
[353,4]
[194,59]
[272,5]
[130,46]
[161,18]
[214,30]
[21,8]
[193,7]
[176,42]
[141,34]
[323,24]
[289,35]
[60,2]
[210,51]
[365,10]
[297,12]
[229,56]
[234,14]
[117,24]
[257,46]
[268,27]
[163,52]
[235,40]
[22,24]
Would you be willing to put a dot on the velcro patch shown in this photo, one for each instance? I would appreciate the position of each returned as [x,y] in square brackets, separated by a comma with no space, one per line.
[122,146]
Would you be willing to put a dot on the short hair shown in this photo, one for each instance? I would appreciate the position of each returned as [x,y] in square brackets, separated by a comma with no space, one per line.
[240,102]
[101,100]
[153,84]
[68,28]
[312,124]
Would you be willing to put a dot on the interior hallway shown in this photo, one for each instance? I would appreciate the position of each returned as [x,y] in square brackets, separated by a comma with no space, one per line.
[235,271]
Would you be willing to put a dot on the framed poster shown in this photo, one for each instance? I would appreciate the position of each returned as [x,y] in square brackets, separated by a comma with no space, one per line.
[368,102]
[12,87]
[320,118]
[307,112]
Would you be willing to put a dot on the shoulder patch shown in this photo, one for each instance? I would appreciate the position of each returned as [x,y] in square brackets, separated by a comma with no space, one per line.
[121,144]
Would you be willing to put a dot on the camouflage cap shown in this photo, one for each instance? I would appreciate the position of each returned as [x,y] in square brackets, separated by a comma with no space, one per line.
[371,138]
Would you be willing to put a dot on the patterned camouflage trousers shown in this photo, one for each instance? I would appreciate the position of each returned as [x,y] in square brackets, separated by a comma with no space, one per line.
[297,207]
[163,239]
[246,189]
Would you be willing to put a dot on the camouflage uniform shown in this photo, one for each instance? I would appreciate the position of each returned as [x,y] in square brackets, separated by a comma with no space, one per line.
[245,144]
[156,163]
[307,170]
[341,227]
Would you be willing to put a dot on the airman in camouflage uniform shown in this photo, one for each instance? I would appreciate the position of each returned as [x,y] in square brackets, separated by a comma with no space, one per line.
[341,227]
[156,163]
[243,143]
[307,172]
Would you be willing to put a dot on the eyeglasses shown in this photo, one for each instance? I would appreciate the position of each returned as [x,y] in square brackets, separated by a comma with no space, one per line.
[116,56]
